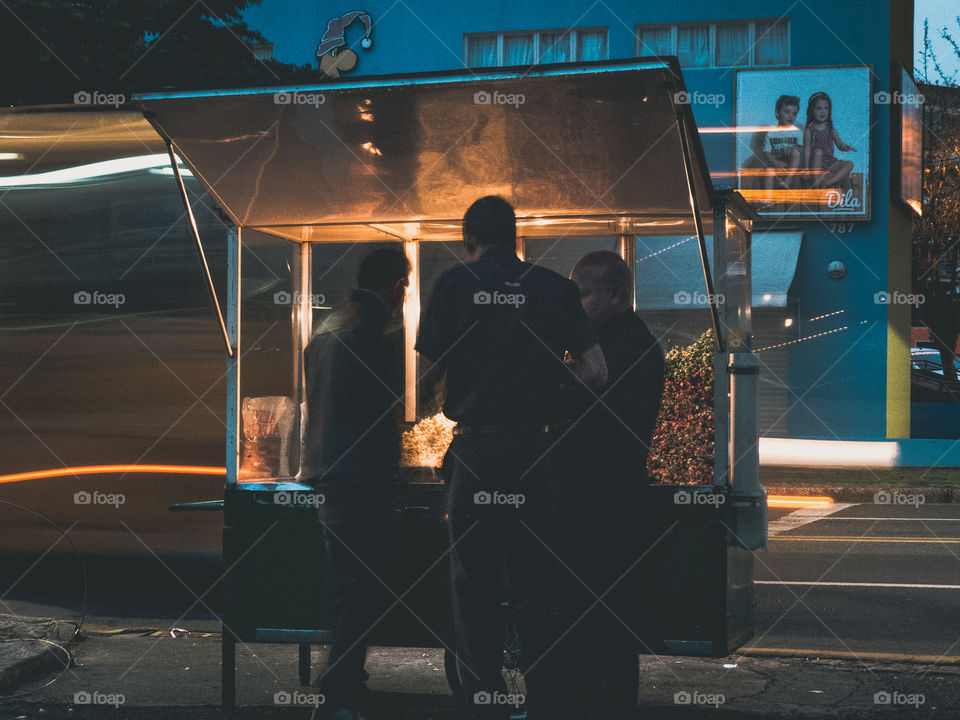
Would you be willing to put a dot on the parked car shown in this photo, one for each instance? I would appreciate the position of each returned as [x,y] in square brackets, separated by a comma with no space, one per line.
[928,360]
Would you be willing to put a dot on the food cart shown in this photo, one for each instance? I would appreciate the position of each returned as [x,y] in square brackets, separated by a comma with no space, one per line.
[592,156]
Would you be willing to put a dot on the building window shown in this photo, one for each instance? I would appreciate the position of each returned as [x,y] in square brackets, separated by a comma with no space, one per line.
[262,51]
[535,47]
[746,43]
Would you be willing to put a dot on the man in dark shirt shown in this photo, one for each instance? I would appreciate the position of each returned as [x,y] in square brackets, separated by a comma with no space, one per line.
[353,367]
[497,329]
[614,432]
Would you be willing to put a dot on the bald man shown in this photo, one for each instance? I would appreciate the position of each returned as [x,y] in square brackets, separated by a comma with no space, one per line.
[613,439]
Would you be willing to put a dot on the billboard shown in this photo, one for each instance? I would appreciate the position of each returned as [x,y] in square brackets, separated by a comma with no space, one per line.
[803,141]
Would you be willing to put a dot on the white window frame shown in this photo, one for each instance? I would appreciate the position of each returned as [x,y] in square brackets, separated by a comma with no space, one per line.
[571,34]
[751,40]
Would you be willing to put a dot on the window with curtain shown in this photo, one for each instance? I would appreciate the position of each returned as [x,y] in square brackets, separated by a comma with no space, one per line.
[528,48]
[592,45]
[727,44]
[771,44]
[518,50]
[733,45]
[482,51]
[554,48]
[693,45]
[656,41]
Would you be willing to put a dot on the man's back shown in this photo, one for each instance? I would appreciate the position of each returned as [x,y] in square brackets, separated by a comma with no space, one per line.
[619,429]
[500,326]
[353,370]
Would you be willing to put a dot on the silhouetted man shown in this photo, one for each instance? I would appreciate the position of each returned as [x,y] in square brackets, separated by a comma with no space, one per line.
[613,435]
[353,368]
[497,328]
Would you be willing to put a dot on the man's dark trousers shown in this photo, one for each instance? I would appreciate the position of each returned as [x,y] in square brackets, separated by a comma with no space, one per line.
[356,520]
[603,549]
[504,531]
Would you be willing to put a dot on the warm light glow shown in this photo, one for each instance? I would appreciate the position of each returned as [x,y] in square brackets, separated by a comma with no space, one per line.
[798,501]
[105,469]
[426,443]
[10,156]
[372,149]
[411,318]
[744,129]
[788,322]
[766,171]
[793,195]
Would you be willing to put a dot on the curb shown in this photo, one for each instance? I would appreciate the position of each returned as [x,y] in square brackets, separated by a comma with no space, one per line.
[892,658]
[861,494]
[24,659]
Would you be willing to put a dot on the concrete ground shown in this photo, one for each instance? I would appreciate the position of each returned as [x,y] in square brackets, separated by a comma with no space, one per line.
[148,674]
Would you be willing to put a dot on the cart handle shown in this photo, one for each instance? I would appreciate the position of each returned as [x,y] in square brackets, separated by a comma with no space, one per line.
[201,505]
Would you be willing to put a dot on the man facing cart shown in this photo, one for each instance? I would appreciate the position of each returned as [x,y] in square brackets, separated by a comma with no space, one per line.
[353,368]
[611,440]
[496,329]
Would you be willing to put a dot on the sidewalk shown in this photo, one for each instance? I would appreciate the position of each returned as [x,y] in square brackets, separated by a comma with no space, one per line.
[147,674]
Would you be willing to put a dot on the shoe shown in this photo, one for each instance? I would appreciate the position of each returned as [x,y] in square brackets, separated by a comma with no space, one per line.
[343,712]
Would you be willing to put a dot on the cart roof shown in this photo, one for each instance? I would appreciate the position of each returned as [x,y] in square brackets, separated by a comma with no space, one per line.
[588,150]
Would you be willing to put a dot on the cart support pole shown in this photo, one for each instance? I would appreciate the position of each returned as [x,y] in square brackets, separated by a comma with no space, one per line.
[695,209]
[749,499]
[196,238]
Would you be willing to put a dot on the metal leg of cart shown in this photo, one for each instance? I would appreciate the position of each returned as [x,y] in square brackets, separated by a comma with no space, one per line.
[228,672]
[304,664]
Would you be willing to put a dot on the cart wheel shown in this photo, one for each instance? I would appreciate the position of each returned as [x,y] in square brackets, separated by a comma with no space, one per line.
[512,660]
[511,670]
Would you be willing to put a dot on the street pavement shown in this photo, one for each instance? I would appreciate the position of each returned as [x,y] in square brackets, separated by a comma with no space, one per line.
[855,617]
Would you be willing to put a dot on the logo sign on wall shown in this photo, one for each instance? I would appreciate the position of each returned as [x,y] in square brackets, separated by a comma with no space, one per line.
[335,57]
[803,141]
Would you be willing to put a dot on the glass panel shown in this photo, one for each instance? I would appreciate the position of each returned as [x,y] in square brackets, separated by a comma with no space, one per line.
[336,267]
[733,45]
[554,47]
[269,396]
[693,46]
[482,51]
[560,255]
[733,282]
[364,395]
[671,293]
[656,41]
[425,444]
[770,46]
[112,351]
[591,45]
[518,50]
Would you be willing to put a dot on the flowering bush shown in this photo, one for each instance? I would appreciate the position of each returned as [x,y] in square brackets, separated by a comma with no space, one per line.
[682,448]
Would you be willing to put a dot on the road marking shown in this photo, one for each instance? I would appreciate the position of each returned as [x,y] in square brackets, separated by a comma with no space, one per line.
[854,538]
[857,584]
[848,655]
[802,517]
[798,501]
[887,519]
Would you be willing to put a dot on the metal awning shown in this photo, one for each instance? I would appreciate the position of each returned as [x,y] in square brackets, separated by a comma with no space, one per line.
[587,149]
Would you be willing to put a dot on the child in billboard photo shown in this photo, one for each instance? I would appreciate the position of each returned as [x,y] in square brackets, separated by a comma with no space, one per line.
[781,147]
[819,137]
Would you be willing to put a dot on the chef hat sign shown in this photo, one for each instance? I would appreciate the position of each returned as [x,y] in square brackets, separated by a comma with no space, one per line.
[333,38]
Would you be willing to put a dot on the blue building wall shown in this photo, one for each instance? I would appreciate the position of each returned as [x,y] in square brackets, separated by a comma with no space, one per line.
[838,381]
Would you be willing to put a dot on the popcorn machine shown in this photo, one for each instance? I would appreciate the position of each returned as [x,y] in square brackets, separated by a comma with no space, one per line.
[313,178]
